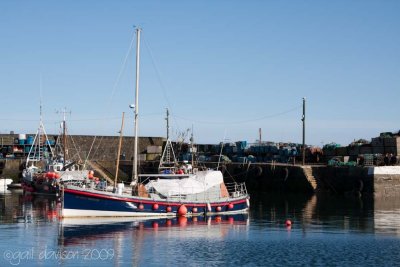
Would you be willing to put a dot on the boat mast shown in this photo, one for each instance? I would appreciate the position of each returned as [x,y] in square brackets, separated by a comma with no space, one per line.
[135,150]
[119,150]
[64,137]
[192,146]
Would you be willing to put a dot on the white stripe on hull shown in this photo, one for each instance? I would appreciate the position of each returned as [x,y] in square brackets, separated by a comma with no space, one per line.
[67,213]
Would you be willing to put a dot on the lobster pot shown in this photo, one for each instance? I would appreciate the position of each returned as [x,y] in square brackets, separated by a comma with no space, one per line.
[392,150]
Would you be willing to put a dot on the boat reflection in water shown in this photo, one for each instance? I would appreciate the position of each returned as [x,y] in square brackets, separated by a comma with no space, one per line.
[76,231]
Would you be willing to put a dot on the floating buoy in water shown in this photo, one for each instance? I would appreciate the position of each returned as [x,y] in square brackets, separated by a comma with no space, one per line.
[288,222]
[168,222]
[169,209]
[155,206]
[155,225]
[230,206]
[182,210]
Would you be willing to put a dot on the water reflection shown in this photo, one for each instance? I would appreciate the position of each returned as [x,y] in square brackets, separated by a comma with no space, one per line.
[77,231]
[31,224]
[322,213]
[308,213]
[21,208]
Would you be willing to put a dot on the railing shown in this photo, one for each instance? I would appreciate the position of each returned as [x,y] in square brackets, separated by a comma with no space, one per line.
[236,189]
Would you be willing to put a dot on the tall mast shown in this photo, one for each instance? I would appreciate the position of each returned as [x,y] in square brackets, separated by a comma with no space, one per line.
[167,119]
[303,118]
[119,150]
[135,150]
[41,120]
[64,138]
[192,146]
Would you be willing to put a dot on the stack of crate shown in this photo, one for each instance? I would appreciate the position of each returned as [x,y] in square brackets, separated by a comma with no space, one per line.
[378,145]
[392,145]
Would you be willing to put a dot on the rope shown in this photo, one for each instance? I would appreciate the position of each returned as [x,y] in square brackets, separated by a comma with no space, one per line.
[242,121]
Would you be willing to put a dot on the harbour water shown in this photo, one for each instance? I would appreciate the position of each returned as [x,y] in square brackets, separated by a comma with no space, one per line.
[325,231]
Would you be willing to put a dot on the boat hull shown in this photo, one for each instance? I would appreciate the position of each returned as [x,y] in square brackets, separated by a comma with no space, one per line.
[80,203]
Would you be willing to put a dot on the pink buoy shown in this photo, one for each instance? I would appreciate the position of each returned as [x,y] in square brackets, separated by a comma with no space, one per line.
[230,206]
[194,210]
[169,209]
[218,209]
[182,210]
[155,206]
[141,206]
[288,222]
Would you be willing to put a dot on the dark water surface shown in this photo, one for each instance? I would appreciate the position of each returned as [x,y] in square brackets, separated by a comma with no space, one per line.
[326,231]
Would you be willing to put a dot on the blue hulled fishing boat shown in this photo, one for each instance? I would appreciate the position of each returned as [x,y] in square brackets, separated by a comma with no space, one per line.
[175,190]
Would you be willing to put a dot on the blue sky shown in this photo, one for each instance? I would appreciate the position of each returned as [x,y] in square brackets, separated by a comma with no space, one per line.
[227,68]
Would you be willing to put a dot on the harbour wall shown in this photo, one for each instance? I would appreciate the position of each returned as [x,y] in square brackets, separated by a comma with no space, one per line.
[266,177]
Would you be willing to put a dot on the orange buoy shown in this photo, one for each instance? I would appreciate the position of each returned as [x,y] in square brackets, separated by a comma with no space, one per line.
[288,222]
[230,206]
[155,206]
[182,210]
[218,209]
[169,209]
[218,219]
[194,210]
[141,206]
